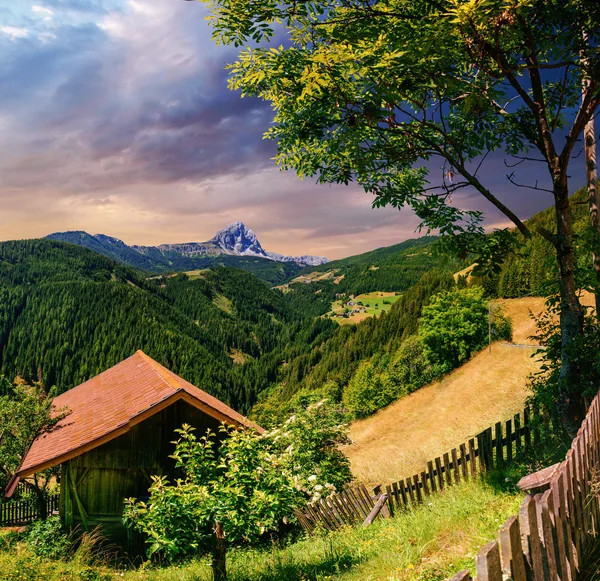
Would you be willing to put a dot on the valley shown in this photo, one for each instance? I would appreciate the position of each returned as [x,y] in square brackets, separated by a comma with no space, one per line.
[268,350]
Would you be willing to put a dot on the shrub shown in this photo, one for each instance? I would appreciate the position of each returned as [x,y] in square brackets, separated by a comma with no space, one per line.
[47,539]
[454,326]
[370,389]
[410,368]
[238,487]
[501,324]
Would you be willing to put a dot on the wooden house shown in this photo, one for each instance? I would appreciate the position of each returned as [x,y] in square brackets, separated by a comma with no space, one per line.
[117,433]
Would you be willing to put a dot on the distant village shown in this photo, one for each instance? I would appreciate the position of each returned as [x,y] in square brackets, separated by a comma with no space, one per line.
[351,307]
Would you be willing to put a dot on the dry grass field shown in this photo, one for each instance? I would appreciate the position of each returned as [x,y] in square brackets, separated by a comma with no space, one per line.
[399,440]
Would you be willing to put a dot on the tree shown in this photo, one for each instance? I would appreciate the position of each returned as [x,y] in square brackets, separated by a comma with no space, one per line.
[369,390]
[454,326]
[379,92]
[25,413]
[239,486]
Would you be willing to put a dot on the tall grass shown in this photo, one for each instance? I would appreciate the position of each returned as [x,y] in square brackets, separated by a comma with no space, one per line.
[427,544]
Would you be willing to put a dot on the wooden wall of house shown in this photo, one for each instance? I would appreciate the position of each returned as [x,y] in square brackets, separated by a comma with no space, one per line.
[95,484]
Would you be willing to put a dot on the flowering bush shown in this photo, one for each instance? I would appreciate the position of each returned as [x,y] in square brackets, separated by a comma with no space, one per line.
[240,485]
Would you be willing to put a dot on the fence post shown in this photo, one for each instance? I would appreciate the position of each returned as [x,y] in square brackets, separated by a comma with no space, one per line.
[513,564]
[487,563]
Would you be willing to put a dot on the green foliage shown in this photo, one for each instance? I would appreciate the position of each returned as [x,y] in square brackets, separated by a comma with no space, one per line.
[369,389]
[453,327]
[409,367]
[25,413]
[337,358]
[238,484]
[248,483]
[382,380]
[47,539]
[584,382]
[531,268]
[313,436]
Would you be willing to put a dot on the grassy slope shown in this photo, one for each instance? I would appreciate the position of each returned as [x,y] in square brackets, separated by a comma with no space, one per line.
[399,440]
[427,544]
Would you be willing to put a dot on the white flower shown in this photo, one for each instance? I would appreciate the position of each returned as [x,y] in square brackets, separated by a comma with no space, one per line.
[312,477]
[318,488]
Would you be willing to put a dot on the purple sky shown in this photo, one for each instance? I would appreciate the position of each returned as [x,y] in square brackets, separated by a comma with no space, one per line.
[115,118]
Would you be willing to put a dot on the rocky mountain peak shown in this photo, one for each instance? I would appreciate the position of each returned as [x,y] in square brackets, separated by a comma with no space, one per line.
[238,239]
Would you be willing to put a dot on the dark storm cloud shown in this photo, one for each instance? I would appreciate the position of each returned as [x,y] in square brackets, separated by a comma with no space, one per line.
[91,93]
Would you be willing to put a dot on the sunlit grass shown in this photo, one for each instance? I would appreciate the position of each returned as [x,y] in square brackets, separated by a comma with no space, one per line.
[427,544]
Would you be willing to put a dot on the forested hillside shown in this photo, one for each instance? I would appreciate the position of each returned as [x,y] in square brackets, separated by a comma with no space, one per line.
[325,371]
[67,313]
[532,268]
[391,269]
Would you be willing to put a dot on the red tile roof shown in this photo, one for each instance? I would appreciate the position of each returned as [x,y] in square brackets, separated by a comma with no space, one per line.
[109,404]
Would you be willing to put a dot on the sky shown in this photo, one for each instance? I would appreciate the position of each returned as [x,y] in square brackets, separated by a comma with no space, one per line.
[115,118]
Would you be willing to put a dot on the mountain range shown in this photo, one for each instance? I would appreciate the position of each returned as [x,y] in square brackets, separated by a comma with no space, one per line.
[233,241]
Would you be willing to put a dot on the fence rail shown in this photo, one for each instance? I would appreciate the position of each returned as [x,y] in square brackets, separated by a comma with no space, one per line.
[491,448]
[22,512]
[549,536]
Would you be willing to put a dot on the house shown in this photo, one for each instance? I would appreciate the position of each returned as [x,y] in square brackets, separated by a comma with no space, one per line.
[117,433]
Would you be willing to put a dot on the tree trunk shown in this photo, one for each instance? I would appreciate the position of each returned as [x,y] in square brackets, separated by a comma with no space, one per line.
[570,406]
[219,555]
[593,202]
[589,140]
[40,502]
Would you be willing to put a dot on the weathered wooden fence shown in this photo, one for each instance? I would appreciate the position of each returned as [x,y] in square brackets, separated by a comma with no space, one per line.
[22,512]
[547,539]
[490,448]
[349,507]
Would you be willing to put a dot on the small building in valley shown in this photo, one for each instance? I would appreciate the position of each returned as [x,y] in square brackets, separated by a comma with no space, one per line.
[117,433]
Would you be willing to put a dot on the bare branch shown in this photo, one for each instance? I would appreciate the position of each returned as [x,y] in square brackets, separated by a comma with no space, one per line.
[536,187]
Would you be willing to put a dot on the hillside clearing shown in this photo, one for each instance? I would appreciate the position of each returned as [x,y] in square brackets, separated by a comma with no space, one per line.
[399,440]
[356,309]
[309,278]
[520,311]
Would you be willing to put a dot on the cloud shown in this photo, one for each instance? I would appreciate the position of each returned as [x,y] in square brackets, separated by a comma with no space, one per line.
[116,118]
[42,10]
[14,32]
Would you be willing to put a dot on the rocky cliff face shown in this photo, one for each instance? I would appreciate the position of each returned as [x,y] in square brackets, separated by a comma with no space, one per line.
[305,259]
[235,239]
[238,239]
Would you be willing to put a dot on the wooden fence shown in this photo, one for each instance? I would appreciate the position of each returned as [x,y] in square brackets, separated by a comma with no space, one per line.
[549,536]
[22,512]
[490,448]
